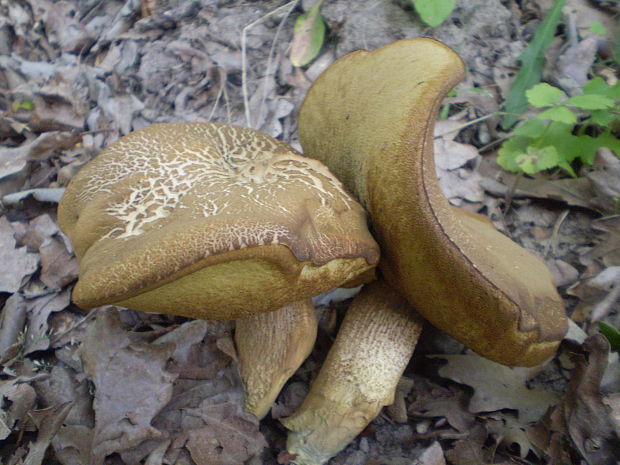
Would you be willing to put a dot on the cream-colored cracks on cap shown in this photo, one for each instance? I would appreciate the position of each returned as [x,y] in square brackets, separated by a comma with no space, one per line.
[208,206]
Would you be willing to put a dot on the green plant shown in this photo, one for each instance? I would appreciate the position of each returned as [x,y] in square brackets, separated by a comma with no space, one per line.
[433,12]
[566,129]
[532,60]
[612,335]
[308,36]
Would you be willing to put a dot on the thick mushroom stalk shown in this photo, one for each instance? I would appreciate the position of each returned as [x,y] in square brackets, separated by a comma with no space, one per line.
[271,346]
[359,376]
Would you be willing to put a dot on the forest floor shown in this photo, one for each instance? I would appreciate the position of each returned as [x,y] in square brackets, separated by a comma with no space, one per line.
[110,386]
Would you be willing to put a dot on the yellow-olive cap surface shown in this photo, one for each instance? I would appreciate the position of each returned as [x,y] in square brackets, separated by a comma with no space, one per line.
[370,117]
[212,221]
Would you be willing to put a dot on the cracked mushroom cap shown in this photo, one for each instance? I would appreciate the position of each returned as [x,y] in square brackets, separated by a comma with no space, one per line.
[211,221]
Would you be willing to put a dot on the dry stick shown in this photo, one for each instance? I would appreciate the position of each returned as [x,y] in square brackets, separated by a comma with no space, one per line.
[244,68]
[467,124]
[220,91]
[551,247]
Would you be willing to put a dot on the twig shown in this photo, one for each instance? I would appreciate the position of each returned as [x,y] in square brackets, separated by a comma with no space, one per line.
[469,123]
[551,247]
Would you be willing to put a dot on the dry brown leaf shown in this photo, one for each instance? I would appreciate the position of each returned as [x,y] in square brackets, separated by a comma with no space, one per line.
[471,450]
[589,421]
[17,399]
[432,455]
[12,321]
[58,265]
[509,431]
[48,421]
[131,383]
[204,418]
[583,422]
[39,311]
[61,26]
[448,403]
[17,262]
[604,178]
[497,387]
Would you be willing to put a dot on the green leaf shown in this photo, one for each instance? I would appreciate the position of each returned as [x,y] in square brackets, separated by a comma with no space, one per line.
[538,159]
[601,117]
[308,36]
[598,28]
[509,151]
[532,60]
[544,95]
[532,128]
[434,12]
[590,102]
[600,87]
[560,136]
[611,334]
[559,114]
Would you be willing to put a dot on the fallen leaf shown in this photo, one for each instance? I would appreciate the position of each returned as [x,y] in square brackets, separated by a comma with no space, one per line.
[509,431]
[12,321]
[588,418]
[39,311]
[17,399]
[496,386]
[131,383]
[448,403]
[58,265]
[204,418]
[17,262]
[432,455]
[48,421]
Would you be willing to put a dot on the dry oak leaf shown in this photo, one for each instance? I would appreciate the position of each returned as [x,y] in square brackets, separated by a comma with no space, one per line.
[17,263]
[497,387]
[131,382]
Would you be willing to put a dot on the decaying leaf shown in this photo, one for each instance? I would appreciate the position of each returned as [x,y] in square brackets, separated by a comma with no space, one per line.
[17,399]
[204,419]
[48,422]
[497,387]
[17,262]
[448,403]
[39,311]
[583,420]
[131,383]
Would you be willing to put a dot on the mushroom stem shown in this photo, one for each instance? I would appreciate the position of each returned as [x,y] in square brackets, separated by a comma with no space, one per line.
[359,376]
[271,346]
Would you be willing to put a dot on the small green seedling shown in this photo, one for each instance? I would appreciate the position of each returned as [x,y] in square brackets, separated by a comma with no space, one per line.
[433,12]
[566,129]
[611,334]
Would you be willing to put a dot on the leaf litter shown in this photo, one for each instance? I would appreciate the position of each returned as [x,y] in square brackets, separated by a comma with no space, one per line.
[133,388]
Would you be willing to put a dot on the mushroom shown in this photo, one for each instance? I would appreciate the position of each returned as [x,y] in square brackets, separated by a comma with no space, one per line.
[216,221]
[370,118]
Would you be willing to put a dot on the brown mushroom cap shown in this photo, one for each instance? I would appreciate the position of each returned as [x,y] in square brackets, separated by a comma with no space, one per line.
[212,221]
[370,119]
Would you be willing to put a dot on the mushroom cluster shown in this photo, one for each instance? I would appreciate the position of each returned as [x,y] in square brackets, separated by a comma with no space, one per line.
[215,221]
